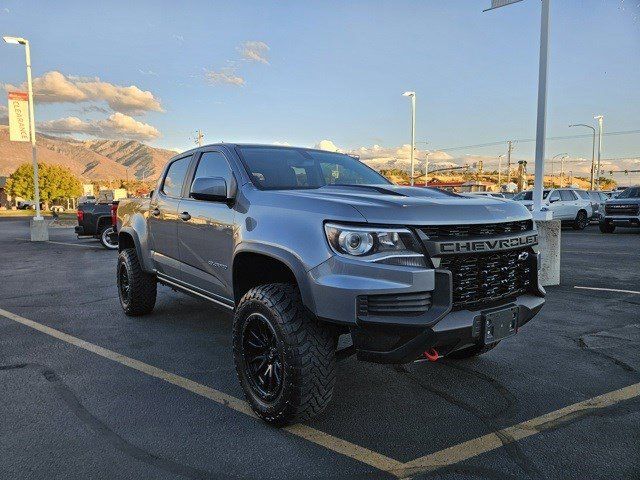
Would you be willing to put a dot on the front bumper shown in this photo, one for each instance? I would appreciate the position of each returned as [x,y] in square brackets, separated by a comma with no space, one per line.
[621,221]
[337,285]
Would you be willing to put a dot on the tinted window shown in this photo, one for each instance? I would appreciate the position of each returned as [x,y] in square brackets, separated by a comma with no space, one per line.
[582,194]
[594,196]
[213,164]
[528,195]
[293,168]
[555,196]
[633,192]
[567,196]
[172,185]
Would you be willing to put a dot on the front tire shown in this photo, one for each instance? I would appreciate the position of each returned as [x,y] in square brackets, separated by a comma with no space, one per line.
[285,359]
[137,289]
[105,238]
[606,227]
[581,221]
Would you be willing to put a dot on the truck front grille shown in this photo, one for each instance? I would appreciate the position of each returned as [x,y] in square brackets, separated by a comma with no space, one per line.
[439,232]
[622,209]
[394,304]
[483,279]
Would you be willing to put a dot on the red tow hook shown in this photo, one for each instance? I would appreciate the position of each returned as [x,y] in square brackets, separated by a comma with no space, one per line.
[432,355]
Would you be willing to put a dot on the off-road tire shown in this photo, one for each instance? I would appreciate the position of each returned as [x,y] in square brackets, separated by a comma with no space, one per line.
[581,221]
[472,351]
[103,241]
[140,297]
[606,227]
[306,351]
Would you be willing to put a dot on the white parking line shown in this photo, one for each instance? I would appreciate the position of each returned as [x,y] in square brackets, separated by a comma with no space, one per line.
[607,289]
[72,244]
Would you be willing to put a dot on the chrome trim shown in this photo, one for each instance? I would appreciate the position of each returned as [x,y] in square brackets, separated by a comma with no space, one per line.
[163,278]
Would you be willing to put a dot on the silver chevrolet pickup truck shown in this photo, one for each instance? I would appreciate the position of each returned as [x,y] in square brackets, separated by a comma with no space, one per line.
[305,245]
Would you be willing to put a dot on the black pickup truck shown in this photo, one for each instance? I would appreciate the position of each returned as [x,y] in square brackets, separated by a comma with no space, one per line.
[97,220]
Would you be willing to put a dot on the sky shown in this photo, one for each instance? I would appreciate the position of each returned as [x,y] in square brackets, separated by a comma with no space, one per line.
[303,72]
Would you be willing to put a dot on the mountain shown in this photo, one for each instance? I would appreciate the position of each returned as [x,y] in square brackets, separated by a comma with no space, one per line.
[88,159]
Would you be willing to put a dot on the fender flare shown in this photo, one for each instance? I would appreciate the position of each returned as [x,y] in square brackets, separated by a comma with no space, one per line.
[292,261]
[144,259]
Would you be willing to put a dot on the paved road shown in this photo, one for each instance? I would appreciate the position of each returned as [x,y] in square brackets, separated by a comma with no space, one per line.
[72,409]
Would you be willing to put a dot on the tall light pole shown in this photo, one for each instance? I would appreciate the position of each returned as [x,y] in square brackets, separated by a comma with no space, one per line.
[36,187]
[600,119]
[500,171]
[593,147]
[426,169]
[563,155]
[412,95]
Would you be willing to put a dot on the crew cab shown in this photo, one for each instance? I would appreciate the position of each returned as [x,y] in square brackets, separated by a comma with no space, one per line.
[97,220]
[305,245]
[622,211]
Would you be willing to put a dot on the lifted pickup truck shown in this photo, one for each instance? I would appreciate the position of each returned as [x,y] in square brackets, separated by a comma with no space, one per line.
[97,220]
[305,245]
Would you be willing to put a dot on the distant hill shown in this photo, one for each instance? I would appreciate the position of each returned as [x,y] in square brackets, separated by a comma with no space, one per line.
[88,159]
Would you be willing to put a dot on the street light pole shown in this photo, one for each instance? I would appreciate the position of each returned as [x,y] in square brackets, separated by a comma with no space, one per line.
[36,186]
[552,167]
[500,171]
[413,129]
[593,147]
[600,119]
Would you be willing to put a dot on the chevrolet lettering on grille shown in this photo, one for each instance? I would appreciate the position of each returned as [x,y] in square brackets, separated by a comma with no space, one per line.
[489,245]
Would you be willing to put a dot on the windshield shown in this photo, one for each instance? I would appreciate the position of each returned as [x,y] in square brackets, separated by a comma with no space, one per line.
[528,195]
[275,168]
[632,192]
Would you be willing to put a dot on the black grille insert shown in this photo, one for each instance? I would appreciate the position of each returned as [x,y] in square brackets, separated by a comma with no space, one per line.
[437,232]
[394,304]
[622,209]
[483,279]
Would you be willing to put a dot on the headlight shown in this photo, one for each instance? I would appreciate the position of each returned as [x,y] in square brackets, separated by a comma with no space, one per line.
[393,246]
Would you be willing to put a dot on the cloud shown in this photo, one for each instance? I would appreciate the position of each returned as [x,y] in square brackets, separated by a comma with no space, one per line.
[327,145]
[147,72]
[254,51]
[118,126]
[224,76]
[55,87]
[177,37]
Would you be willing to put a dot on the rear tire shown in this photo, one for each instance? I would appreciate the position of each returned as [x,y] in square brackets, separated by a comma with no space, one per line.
[105,235]
[581,221]
[285,359]
[472,351]
[137,289]
[606,227]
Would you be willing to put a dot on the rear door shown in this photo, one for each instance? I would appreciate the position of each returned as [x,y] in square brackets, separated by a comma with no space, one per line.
[206,232]
[163,217]
[555,203]
[569,207]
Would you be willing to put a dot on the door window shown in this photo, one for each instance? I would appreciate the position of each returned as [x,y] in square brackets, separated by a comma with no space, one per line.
[554,197]
[567,196]
[582,194]
[172,184]
[213,164]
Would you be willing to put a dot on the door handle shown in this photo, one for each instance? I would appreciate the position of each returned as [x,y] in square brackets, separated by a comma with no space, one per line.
[185,216]
[155,212]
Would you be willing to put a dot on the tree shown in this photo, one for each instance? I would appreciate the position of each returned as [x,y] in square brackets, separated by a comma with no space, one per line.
[55,183]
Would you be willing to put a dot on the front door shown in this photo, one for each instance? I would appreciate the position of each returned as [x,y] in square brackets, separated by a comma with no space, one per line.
[163,218]
[206,233]
[569,201]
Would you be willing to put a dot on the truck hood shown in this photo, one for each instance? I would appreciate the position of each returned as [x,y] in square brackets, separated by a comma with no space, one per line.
[393,204]
[625,201]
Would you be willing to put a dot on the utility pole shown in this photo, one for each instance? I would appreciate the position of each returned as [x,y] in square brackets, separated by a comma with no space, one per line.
[500,171]
[509,150]
[412,96]
[199,137]
[426,170]
[600,119]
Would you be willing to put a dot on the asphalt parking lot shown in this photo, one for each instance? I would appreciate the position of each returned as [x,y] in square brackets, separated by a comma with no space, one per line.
[88,392]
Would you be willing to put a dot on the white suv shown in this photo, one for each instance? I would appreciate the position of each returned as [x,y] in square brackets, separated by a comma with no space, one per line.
[567,204]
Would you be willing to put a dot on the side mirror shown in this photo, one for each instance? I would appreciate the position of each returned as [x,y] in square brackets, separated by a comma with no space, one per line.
[552,200]
[210,188]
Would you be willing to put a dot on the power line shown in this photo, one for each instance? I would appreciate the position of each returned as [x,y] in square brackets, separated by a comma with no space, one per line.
[525,140]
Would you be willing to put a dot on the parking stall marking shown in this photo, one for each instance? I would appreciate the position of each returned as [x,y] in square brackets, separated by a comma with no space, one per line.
[73,244]
[607,289]
[338,445]
[443,458]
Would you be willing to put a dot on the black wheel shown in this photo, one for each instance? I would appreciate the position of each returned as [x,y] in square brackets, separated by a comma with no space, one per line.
[472,351]
[581,221]
[284,358]
[136,288]
[606,227]
[106,238]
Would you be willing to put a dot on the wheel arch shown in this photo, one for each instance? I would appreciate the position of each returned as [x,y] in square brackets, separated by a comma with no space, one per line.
[128,238]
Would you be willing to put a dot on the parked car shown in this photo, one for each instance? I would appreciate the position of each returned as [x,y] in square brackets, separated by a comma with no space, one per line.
[622,211]
[566,204]
[489,194]
[598,200]
[96,220]
[305,245]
